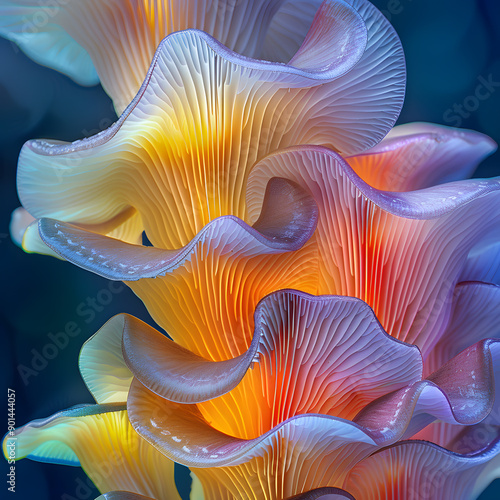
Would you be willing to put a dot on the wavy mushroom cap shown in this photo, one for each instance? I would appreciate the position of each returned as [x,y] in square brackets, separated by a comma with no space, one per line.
[181,152]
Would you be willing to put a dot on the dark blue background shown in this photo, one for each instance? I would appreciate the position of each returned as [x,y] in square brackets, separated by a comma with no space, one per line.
[449,46]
